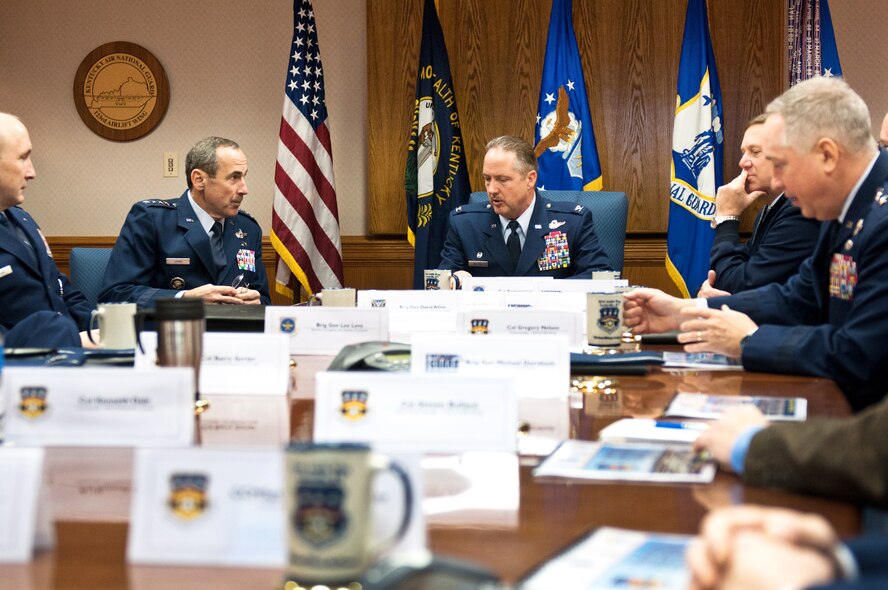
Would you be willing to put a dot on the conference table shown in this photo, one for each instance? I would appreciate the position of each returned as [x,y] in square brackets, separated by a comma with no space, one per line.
[550,515]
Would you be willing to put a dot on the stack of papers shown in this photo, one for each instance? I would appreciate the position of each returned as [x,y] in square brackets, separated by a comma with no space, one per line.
[613,558]
[708,361]
[711,407]
[627,462]
[646,430]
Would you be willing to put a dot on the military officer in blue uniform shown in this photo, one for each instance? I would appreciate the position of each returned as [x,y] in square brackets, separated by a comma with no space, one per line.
[831,318]
[173,248]
[39,307]
[520,232]
[781,239]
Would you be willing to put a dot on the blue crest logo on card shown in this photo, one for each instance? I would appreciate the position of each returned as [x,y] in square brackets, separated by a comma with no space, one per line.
[442,363]
[377,303]
[432,283]
[319,517]
[33,404]
[288,325]
[188,495]
[609,319]
[354,405]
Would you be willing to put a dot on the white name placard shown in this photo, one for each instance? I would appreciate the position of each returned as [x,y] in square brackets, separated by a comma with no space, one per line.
[245,421]
[566,301]
[233,363]
[99,406]
[522,322]
[398,412]
[213,507]
[89,484]
[516,284]
[412,311]
[325,330]
[584,285]
[20,475]
[540,365]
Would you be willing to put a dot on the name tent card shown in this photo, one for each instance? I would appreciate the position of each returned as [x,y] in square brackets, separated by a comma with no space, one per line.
[325,330]
[233,363]
[99,406]
[20,476]
[585,285]
[396,412]
[411,311]
[515,284]
[209,507]
[522,322]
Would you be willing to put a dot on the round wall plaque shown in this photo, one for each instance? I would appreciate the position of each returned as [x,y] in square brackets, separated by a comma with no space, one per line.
[121,91]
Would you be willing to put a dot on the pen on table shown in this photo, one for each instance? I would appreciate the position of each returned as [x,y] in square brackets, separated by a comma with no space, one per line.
[682,425]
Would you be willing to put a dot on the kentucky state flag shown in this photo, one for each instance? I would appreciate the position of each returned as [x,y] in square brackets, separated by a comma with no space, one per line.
[563,138]
[811,41]
[697,155]
[435,179]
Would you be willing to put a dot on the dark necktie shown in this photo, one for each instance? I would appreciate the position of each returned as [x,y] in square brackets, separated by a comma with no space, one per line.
[218,247]
[513,244]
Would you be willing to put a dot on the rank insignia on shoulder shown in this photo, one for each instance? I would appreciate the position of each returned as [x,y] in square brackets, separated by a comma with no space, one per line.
[578,208]
[458,209]
[555,224]
[159,203]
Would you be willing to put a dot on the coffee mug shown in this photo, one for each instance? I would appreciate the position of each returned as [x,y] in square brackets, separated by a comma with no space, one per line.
[117,326]
[329,511]
[437,280]
[344,297]
[604,319]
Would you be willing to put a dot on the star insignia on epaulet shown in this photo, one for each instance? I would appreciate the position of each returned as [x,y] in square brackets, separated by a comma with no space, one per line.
[159,203]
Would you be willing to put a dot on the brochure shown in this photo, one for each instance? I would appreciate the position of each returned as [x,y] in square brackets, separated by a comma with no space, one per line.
[711,407]
[709,361]
[605,461]
[611,559]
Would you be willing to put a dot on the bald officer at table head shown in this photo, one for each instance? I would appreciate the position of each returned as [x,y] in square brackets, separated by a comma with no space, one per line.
[39,307]
[519,232]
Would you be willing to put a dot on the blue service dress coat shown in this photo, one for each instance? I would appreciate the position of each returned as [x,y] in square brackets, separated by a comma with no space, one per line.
[780,243]
[163,249]
[560,242]
[830,319]
[869,552]
[38,304]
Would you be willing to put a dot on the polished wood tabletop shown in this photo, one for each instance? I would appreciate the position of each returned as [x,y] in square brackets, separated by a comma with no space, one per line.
[550,514]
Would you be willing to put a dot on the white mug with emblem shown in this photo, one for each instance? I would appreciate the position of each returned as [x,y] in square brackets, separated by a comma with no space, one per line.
[437,280]
[604,319]
[117,326]
[344,297]
[329,511]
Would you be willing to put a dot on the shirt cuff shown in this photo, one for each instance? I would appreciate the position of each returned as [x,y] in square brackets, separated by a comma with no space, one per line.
[741,447]
[845,563]
[701,303]
[179,295]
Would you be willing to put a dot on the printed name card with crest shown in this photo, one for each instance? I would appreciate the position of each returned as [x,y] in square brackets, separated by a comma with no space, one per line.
[201,506]
[397,412]
[233,363]
[99,406]
[412,311]
[20,475]
[514,284]
[325,330]
[522,322]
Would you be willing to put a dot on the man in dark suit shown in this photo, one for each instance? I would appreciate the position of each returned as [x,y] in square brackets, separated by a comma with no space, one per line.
[781,238]
[199,245]
[520,232]
[777,549]
[831,318]
[38,305]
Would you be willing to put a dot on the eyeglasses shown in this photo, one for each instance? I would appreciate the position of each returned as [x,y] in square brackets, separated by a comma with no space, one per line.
[239,282]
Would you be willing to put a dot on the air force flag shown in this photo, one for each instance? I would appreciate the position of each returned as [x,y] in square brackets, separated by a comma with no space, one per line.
[697,155]
[564,141]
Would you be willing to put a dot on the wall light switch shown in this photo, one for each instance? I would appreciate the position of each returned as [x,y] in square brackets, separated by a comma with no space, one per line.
[170,165]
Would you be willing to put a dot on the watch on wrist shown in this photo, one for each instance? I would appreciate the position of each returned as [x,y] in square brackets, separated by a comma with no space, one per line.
[719,219]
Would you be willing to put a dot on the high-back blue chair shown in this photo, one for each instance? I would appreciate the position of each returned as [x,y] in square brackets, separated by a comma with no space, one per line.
[87,268]
[609,210]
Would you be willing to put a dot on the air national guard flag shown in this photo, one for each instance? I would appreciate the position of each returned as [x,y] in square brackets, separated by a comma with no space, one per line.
[305,217]
[811,41]
[697,155]
[564,141]
[435,179]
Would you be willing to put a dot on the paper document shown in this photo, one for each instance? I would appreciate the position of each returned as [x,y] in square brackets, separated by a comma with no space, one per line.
[627,462]
[710,407]
[709,361]
[611,559]
[645,430]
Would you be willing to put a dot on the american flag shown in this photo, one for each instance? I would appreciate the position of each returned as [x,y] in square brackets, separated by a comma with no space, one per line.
[305,220]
